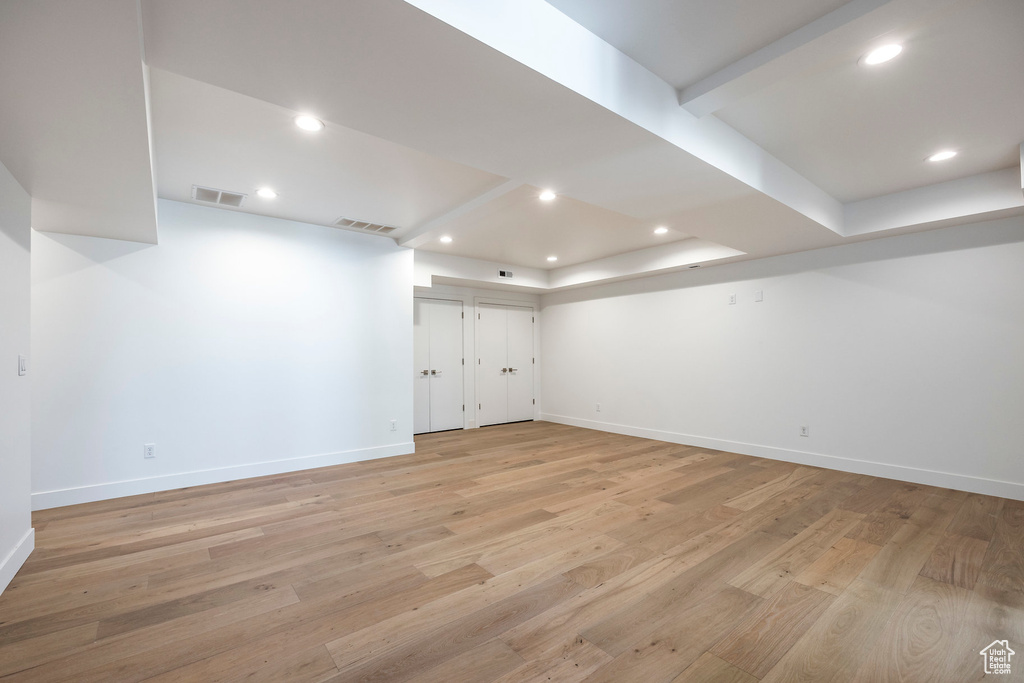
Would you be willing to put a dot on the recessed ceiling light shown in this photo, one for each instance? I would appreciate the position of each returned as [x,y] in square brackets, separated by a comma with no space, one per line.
[446,239]
[547,195]
[660,230]
[310,123]
[552,258]
[266,193]
[882,54]
[942,155]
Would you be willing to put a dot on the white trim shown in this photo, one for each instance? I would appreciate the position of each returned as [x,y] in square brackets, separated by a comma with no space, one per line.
[493,301]
[19,553]
[43,500]
[961,482]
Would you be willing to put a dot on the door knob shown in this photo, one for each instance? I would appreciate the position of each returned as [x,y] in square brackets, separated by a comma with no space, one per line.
[504,370]
[424,372]
[512,369]
[433,372]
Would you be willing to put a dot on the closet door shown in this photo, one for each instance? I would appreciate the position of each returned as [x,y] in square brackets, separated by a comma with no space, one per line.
[520,364]
[445,365]
[421,366]
[492,364]
[438,369]
[504,372]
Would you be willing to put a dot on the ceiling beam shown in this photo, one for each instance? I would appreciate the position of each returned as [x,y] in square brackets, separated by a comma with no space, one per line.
[74,119]
[433,228]
[537,35]
[851,29]
[978,197]
[688,253]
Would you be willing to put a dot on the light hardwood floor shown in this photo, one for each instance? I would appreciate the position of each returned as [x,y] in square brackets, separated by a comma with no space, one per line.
[526,552]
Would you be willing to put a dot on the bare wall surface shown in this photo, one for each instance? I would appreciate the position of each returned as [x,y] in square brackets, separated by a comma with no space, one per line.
[239,346]
[901,356]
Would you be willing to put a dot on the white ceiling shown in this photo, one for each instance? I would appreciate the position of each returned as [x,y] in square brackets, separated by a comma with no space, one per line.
[517,228]
[385,68]
[447,116]
[856,132]
[684,41]
[860,132]
[616,181]
[213,137]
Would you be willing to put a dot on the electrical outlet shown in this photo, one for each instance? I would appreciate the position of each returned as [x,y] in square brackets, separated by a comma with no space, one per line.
[759,295]
[394,425]
[805,430]
[732,299]
[598,409]
[149,451]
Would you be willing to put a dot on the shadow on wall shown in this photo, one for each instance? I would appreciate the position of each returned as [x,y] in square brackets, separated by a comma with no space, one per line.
[16,232]
[95,250]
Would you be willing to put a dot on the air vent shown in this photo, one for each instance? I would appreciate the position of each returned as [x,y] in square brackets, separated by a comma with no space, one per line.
[505,274]
[364,226]
[213,196]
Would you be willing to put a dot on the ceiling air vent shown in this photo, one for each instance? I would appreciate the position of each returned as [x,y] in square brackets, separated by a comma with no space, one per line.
[213,196]
[364,226]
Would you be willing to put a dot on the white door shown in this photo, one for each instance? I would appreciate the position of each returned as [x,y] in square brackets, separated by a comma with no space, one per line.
[492,364]
[520,364]
[446,368]
[438,365]
[504,379]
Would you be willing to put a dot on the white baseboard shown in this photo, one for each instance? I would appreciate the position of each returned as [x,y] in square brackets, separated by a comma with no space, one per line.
[43,500]
[960,482]
[19,553]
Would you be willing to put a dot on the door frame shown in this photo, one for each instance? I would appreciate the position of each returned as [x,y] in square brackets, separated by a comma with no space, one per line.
[496,301]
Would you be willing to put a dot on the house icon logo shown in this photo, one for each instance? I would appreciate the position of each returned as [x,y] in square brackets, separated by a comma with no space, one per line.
[997,657]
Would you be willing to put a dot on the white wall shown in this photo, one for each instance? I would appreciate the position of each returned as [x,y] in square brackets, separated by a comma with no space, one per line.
[471,297]
[904,356]
[240,346]
[16,535]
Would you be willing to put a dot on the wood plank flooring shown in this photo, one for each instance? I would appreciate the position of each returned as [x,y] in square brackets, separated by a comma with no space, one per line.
[525,552]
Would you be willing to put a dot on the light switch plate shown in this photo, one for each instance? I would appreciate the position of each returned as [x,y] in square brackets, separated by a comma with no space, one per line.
[22,365]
